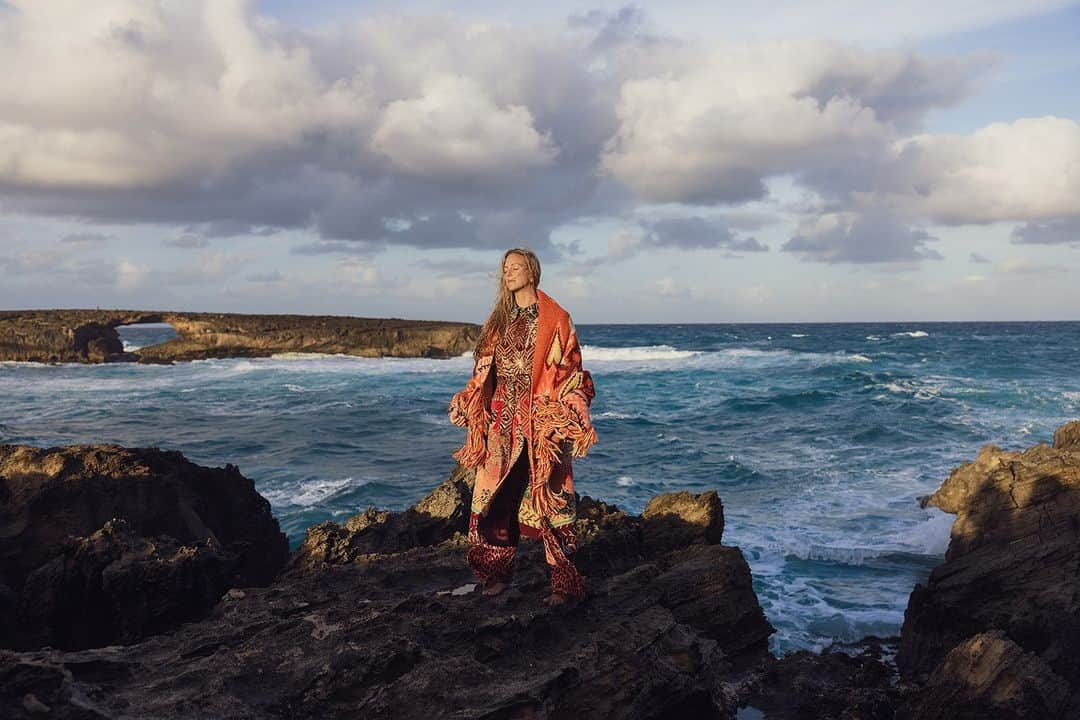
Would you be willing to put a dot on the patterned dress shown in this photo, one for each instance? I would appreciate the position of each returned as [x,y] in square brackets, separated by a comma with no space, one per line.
[511,404]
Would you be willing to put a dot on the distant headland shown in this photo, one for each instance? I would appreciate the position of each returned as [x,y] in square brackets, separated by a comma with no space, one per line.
[90,336]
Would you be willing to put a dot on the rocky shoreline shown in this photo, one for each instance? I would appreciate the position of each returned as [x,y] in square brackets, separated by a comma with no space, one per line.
[90,336]
[136,584]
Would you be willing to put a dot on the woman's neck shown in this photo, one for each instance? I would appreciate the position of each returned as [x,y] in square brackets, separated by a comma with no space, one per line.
[526,296]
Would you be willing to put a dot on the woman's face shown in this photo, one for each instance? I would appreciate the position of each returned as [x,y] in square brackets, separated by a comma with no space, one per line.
[515,272]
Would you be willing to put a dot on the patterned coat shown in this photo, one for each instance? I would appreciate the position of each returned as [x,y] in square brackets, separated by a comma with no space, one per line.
[560,426]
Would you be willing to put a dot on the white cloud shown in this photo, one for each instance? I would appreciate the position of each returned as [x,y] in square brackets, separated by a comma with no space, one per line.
[849,237]
[713,130]
[1028,169]
[1024,266]
[208,268]
[206,115]
[455,130]
[131,276]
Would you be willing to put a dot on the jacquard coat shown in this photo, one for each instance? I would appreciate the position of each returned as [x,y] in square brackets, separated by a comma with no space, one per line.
[560,426]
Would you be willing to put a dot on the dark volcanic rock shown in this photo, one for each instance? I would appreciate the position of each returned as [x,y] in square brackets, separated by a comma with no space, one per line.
[438,517]
[989,676]
[90,336]
[403,633]
[1013,562]
[842,683]
[117,587]
[185,528]
[676,519]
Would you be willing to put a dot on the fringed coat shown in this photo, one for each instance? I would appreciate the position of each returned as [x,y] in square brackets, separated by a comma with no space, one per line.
[559,429]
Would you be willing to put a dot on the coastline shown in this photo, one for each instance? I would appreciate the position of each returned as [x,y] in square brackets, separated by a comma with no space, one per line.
[90,336]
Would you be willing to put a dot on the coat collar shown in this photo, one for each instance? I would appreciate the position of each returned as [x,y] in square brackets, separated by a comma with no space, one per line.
[551,321]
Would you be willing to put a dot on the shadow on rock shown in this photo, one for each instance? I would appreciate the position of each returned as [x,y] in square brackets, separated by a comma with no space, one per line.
[101,544]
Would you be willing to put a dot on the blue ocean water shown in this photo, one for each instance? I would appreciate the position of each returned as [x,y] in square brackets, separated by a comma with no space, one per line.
[818,437]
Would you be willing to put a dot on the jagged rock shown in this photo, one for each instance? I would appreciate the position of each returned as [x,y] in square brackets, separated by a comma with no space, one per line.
[394,636]
[403,632]
[36,689]
[1067,437]
[680,518]
[90,336]
[117,587]
[438,517]
[989,676]
[1013,561]
[844,682]
[51,497]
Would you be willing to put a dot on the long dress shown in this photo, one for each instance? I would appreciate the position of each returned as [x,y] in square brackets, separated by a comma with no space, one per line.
[526,408]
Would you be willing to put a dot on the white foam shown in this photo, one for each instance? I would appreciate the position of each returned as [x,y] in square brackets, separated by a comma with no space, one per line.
[857,357]
[344,364]
[920,390]
[312,492]
[596,353]
[798,334]
[929,537]
[625,481]
[835,554]
[912,333]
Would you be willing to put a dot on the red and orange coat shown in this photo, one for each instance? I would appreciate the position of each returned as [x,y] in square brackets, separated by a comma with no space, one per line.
[560,426]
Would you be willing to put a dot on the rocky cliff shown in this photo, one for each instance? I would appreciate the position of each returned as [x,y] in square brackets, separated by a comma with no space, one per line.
[90,336]
[101,544]
[1013,570]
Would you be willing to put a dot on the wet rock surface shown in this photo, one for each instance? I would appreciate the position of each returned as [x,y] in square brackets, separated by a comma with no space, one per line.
[90,336]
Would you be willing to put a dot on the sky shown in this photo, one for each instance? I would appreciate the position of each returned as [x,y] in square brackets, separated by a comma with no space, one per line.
[672,162]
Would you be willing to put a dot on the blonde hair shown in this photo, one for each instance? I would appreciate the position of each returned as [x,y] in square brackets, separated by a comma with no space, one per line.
[504,300]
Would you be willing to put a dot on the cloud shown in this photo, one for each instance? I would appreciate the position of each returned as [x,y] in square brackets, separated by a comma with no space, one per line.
[692,233]
[1023,170]
[208,268]
[265,277]
[857,238]
[711,132]
[323,247]
[458,266]
[187,242]
[679,233]
[1061,231]
[208,116]
[85,239]
[978,259]
[30,262]
[454,131]
[1024,266]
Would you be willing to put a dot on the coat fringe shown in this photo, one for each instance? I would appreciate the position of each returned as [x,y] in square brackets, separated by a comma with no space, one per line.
[471,454]
[555,424]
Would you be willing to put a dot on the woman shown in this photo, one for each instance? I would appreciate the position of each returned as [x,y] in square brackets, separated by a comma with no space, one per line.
[526,410]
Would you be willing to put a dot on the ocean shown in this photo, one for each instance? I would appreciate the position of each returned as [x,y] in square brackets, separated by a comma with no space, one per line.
[817,437]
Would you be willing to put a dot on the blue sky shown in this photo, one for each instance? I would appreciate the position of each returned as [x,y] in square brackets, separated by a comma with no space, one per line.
[670,162]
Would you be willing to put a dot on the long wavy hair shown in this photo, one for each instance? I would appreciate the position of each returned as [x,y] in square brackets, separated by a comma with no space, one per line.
[504,300]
